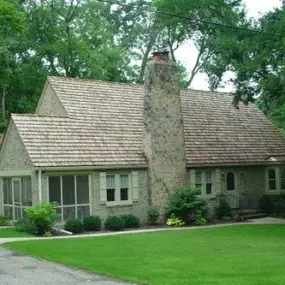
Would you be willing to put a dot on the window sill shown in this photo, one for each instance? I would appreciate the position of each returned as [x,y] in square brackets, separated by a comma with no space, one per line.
[119,204]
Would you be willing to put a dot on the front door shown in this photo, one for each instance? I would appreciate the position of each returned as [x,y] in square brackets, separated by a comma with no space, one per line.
[17,199]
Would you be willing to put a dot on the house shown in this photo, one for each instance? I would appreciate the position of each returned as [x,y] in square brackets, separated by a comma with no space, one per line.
[105,148]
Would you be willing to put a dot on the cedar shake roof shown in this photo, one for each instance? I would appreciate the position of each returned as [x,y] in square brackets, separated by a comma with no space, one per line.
[104,127]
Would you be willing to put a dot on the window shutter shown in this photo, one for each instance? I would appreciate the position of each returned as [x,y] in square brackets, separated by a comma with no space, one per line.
[103,188]
[192,178]
[135,186]
[218,181]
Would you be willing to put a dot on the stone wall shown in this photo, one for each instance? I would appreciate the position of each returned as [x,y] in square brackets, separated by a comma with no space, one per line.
[14,156]
[163,131]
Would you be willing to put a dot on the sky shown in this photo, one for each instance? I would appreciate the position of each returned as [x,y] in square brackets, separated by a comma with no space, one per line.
[188,53]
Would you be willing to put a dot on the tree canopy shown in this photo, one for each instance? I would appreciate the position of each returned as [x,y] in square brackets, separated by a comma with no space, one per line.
[112,40]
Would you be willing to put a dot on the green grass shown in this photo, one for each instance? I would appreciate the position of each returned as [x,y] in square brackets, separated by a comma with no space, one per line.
[11,232]
[246,254]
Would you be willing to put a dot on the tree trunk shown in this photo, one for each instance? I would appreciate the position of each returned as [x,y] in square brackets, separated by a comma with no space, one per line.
[3,104]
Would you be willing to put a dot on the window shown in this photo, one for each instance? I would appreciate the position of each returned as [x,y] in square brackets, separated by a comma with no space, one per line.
[208,183]
[118,189]
[17,194]
[111,188]
[198,181]
[272,179]
[230,181]
[71,193]
[124,187]
[204,181]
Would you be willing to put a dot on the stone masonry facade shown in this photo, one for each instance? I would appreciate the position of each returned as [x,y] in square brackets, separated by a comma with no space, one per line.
[163,131]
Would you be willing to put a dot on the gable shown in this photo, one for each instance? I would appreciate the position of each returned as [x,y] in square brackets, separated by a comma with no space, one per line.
[13,155]
[49,104]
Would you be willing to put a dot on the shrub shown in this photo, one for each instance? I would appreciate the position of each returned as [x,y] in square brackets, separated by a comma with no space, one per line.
[41,217]
[223,209]
[74,226]
[24,225]
[114,223]
[92,223]
[152,215]
[174,221]
[131,221]
[200,221]
[279,206]
[185,204]
[266,205]
[274,204]
[3,221]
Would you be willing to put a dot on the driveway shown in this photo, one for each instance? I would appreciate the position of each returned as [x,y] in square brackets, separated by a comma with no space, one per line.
[16,269]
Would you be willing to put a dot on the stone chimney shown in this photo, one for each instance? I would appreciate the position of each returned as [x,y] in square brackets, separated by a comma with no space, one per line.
[163,129]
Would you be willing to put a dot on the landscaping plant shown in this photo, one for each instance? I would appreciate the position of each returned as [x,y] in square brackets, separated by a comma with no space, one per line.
[200,221]
[41,217]
[185,204]
[114,223]
[24,225]
[223,210]
[3,221]
[131,221]
[75,226]
[92,223]
[174,221]
[152,215]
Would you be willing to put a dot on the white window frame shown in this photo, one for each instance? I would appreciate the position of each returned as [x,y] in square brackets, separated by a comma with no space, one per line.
[278,189]
[204,182]
[75,193]
[118,200]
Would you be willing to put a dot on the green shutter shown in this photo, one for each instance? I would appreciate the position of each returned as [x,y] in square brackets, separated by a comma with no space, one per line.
[103,188]
[192,178]
[135,186]
[218,181]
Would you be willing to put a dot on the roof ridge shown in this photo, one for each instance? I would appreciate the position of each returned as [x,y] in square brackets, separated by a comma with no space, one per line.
[51,78]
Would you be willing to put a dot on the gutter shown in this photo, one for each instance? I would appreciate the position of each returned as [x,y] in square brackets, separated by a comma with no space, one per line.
[265,163]
[68,168]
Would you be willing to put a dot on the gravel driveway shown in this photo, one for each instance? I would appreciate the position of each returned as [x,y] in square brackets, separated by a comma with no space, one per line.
[16,269]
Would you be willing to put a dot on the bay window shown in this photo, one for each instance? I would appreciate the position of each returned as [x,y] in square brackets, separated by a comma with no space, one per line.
[276,179]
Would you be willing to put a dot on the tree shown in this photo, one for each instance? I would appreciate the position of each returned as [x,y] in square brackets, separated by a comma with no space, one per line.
[208,38]
[11,23]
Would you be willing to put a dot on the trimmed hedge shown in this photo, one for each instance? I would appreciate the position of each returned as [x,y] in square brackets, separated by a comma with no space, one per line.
[114,223]
[92,223]
[273,204]
[74,226]
[131,221]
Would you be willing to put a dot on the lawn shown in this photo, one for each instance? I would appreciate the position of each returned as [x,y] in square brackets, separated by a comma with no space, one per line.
[11,232]
[246,254]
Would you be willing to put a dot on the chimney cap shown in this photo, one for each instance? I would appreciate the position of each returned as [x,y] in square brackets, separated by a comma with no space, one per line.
[160,55]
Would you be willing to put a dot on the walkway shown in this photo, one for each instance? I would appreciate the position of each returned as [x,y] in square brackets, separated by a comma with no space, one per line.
[17,269]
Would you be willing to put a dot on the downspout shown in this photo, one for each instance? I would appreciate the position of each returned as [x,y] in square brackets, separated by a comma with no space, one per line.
[40,185]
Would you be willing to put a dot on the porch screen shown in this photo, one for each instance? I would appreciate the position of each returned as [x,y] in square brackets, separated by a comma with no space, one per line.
[17,194]
[71,193]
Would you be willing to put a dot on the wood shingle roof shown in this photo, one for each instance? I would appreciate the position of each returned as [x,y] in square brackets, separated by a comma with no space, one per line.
[104,127]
